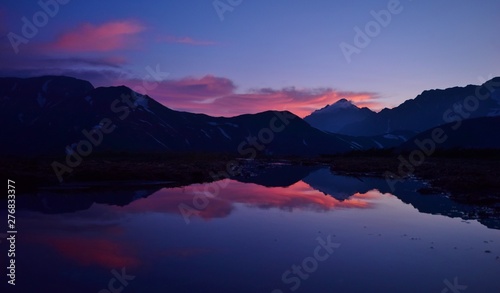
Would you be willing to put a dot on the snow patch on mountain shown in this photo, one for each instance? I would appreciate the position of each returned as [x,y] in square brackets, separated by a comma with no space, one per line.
[224,133]
[356,145]
[142,101]
[71,149]
[41,100]
[45,86]
[378,144]
[337,106]
[391,136]
[205,133]
[157,140]
[334,118]
[89,100]
[147,122]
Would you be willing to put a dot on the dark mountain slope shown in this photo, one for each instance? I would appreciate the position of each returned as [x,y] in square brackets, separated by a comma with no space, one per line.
[57,115]
[431,108]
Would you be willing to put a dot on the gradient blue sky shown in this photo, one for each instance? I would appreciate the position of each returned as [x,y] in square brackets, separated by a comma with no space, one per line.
[281,54]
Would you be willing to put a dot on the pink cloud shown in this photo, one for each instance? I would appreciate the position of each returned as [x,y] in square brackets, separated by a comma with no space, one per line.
[185,41]
[98,38]
[217,96]
[187,89]
[110,61]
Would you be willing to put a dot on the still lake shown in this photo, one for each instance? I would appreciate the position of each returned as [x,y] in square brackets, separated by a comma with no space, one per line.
[284,229]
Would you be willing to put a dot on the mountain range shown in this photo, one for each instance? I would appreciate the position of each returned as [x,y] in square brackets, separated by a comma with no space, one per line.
[334,118]
[427,110]
[53,115]
[59,115]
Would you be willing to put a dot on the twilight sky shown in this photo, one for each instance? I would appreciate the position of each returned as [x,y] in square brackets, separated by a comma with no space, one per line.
[231,57]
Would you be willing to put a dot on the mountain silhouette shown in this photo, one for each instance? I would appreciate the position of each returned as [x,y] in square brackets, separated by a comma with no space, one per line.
[61,116]
[334,118]
[427,110]
[478,134]
[54,115]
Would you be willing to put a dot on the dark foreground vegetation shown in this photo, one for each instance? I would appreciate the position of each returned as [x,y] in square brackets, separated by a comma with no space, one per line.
[468,176]
[181,169]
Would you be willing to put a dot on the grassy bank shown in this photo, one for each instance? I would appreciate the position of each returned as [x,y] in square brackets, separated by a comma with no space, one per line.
[182,169]
[469,177]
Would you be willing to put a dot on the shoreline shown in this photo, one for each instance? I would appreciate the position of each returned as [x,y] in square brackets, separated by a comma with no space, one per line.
[467,180]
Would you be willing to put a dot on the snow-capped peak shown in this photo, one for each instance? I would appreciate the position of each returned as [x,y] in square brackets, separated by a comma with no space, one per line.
[339,105]
[343,103]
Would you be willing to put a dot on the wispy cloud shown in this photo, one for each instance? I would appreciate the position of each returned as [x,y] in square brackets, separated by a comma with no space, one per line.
[113,62]
[185,41]
[105,37]
[189,88]
[101,71]
[212,95]
[218,96]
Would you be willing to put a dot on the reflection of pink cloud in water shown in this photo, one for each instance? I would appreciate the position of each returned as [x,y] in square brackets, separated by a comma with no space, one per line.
[90,251]
[299,196]
[111,252]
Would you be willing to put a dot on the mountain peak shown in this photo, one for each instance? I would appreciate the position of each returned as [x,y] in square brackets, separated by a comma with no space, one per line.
[333,118]
[341,104]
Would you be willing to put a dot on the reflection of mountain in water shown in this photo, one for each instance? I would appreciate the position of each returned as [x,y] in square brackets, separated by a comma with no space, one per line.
[82,197]
[339,187]
[342,187]
[274,175]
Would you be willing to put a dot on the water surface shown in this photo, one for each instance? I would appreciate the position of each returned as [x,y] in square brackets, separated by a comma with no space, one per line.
[249,234]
